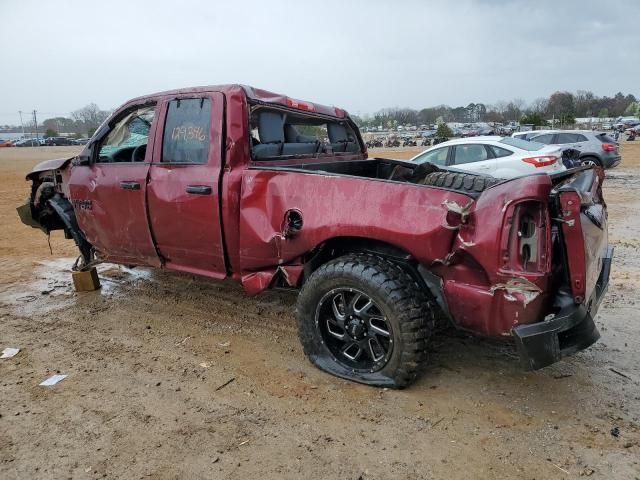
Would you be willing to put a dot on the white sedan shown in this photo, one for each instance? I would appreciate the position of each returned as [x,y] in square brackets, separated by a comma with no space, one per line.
[500,157]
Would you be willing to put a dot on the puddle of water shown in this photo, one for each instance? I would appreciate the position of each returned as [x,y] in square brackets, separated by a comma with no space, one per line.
[52,280]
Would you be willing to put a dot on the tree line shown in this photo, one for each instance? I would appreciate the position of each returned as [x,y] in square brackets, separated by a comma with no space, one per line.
[560,105]
[80,123]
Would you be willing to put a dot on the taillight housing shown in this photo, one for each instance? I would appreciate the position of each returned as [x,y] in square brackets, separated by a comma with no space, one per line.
[541,160]
[609,147]
[527,238]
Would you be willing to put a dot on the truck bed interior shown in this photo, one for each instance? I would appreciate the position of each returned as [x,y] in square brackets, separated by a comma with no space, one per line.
[378,168]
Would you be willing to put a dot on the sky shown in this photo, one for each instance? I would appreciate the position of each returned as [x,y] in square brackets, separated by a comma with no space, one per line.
[358,55]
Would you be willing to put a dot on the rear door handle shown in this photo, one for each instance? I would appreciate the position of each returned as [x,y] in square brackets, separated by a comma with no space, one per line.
[130,185]
[199,189]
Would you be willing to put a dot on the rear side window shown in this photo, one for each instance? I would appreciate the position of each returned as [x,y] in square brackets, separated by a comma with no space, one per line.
[570,138]
[499,152]
[186,131]
[546,138]
[470,154]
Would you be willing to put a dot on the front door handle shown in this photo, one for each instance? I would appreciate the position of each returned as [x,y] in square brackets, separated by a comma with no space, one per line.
[199,189]
[130,185]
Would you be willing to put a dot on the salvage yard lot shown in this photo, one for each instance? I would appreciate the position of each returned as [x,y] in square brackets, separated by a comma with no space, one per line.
[173,376]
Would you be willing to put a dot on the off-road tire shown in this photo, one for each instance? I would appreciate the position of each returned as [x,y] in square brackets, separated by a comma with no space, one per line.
[462,182]
[408,307]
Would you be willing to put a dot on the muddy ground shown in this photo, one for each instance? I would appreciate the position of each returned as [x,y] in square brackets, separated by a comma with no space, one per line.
[172,376]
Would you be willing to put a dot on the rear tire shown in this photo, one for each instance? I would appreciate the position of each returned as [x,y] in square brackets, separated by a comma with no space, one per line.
[386,345]
[590,161]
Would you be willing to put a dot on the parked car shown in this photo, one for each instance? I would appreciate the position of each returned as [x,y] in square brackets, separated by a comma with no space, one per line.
[596,148]
[623,123]
[379,249]
[501,157]
[56,141]
[6,143]
[28,142]
[529,134]
[81,141]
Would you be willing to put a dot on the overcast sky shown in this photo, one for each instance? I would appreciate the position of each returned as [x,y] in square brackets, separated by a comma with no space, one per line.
[362,56]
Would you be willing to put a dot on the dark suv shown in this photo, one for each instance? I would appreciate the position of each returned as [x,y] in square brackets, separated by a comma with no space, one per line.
[596,148]
[54,141]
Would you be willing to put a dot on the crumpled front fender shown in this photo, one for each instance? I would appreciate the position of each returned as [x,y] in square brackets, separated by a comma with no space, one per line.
[55,164]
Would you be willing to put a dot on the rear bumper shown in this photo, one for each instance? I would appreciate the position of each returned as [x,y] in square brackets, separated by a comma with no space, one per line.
[571,330]
[612,162]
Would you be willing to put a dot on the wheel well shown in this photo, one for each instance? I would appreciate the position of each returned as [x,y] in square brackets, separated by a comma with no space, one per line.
[51,210]
[339,246]
[66,214]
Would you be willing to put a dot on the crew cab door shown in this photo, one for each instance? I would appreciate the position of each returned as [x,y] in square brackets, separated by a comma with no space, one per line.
[183,187]
[108,194]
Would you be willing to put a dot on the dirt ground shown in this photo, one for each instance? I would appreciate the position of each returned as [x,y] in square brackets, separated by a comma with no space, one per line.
[173,376]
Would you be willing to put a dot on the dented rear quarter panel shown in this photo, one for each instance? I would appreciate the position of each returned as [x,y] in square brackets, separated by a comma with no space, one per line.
[411,217]
[486,295]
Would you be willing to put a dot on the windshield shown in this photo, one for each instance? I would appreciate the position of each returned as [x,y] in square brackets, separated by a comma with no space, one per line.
[529,145]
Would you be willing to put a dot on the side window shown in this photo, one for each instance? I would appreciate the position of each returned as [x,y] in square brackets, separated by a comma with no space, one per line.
[470,154]
[580,138]
[186,131]
[500,152]
[567,138]
[546,138]
[437,157]
[127,140]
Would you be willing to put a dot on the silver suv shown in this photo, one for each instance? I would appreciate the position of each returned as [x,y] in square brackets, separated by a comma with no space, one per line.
[596,148]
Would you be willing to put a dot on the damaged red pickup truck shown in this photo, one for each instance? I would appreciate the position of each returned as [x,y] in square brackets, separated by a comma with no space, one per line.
[232,181]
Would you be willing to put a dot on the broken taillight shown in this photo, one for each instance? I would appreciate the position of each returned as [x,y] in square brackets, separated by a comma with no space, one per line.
[455,219]
[609,147]
[541,160]
[525,245]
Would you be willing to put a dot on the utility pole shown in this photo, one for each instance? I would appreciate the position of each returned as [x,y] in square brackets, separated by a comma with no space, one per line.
[21,124]
[35,122]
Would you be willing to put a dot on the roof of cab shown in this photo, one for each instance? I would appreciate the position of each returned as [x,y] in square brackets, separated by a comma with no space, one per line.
[255,94]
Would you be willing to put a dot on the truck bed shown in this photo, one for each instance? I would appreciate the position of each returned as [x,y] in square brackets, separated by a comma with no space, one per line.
[373,168]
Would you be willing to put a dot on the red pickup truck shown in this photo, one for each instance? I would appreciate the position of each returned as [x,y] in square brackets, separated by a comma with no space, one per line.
[233,181]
